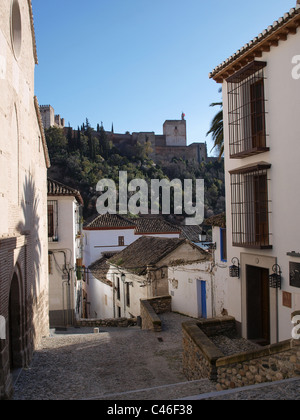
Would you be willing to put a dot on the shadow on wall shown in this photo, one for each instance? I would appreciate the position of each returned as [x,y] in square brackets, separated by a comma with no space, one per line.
[30,227]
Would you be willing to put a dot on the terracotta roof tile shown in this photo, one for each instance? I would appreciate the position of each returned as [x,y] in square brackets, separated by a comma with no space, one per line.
[147,251]
[56,188]
[192,233]
[109,221]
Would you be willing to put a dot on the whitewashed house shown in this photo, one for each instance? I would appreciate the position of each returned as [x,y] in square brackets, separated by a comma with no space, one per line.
[142,271]
[23,196]
[220,264]
[104,236]
[65,254]
[261,98]
[113,233]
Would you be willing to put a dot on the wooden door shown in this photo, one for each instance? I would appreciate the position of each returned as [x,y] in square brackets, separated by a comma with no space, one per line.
[258,305]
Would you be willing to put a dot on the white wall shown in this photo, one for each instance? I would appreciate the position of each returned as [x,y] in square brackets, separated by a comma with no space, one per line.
[101,299]
[61,295]
[98,241]
[136,292]
[186,294]
[283,103]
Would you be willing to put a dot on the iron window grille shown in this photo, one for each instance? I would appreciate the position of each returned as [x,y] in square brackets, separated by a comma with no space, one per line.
[250,207]
[52,221]
[247,111]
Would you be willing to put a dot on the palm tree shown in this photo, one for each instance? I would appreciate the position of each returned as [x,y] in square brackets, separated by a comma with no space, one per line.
[216,129]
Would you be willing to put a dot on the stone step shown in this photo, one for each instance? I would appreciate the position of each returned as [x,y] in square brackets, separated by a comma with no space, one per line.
[164,392]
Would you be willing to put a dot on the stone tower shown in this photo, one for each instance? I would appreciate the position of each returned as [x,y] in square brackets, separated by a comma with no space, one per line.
[175,132]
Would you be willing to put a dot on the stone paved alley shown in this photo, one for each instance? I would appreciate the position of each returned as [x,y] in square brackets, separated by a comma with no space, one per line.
[122,364]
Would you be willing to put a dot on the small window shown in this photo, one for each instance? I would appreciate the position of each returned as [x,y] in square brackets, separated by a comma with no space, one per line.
[118,289]
[52,221]
[16,28]
[223,238]
[121,241]
[128,295]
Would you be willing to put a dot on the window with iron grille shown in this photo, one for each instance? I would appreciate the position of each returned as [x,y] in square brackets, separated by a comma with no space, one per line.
[52,221]
[250,207]
[247,111]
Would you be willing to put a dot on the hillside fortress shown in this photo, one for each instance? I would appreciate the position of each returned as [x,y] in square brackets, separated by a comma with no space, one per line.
[171,144]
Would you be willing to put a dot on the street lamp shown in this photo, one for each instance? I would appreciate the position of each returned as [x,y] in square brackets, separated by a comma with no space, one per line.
[234,270]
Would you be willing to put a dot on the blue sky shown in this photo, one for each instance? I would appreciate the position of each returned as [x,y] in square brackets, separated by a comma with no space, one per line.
[136,63]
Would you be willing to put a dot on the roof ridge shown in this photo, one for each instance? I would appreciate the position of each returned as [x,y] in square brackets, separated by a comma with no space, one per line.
[68,190]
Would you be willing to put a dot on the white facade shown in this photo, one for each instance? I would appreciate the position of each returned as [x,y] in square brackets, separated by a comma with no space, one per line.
[190,284]
[98,242]
[282,94]
[64,254]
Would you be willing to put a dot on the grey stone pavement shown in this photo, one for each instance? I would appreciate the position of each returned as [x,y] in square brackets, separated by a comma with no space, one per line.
[124,364]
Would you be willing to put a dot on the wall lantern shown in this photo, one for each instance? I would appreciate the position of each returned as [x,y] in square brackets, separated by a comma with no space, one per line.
[234,270]
[123,278]
[275,277]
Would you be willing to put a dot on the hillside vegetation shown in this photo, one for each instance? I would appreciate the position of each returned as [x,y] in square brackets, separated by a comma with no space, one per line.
[83,159]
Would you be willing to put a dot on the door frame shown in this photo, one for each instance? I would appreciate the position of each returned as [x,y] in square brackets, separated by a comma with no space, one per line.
[260,261]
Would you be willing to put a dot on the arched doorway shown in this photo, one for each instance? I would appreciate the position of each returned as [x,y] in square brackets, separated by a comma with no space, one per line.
[16,353]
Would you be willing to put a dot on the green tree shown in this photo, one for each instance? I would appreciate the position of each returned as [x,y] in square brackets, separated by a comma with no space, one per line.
[216,129]
[57,143]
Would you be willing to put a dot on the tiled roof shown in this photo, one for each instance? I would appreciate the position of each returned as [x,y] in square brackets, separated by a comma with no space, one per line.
[56,188]
[141,225]
[109,221]
[191,233]
[218,220]
[263,42]
[145,225]
[146,251]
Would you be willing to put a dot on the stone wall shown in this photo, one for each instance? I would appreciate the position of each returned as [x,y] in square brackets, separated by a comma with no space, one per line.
[202,359]
[150,320]
[161,304]
[271,363]
[199,354]
[151,308]
[114,322]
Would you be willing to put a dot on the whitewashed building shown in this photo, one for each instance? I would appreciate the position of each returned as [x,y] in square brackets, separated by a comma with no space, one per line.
[65,254]
[155,267]
[106,235]
[23,196]
[261,98]
[112,233]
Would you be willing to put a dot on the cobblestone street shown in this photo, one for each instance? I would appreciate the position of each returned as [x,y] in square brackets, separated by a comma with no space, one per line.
[78,364]
[125,364]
